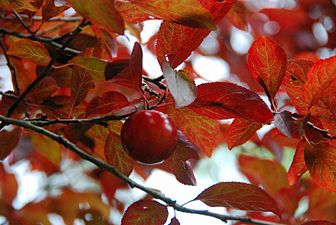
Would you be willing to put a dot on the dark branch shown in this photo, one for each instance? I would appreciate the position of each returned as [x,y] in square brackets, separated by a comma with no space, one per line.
[23,23]
[45,40]
[101,164]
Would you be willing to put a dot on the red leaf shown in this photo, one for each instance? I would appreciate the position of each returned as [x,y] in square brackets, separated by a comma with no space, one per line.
[174,39]
[186,12]
[116,156]
[102,13]
[31,50]
[8,141]
[298,166]
[319,79]
[81,83]
[222,100]
[145,212]
[267,64]
[201,131]
[239,196]
[174,42]
[320,159]
[240,131]
[107,104]
[294,81]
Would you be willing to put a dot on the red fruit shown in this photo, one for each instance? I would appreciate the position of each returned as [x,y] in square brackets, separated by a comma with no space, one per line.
[149,136]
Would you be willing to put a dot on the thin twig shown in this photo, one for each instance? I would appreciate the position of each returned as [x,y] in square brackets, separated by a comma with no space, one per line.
[156,81]
[45,72]
[45,40]
[23,23]
[53,19]
[101,164]
[10,66]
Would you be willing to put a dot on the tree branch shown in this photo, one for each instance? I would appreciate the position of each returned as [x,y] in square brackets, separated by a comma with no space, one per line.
[45,72]
[23,23]
[101,164]
[45,40]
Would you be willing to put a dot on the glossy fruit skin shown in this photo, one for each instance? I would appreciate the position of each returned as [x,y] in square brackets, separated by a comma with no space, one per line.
[149,136]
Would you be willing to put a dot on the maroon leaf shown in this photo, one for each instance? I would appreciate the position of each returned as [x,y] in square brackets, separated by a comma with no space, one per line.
[8,141]
[116,156]
[174,221]
[145,212]
[223,100]
[81,83]
[286,124]
[239,196]
[107,104]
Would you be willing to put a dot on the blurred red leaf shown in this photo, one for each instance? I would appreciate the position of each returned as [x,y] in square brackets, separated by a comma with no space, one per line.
[237,195]
[8,187]
[257,171]
[267,64]
[101,13]
[31,50]
[145,212]
[223,100]
[298,166]
[8,141]
[318,222]
[240,131]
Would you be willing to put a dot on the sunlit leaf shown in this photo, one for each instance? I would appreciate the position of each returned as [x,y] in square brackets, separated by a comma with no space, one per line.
[267,64]
[94,67]
[31,50]
[240,131]
[237,195]
[186,12]
[145,212]
[102,13]
[47,147]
